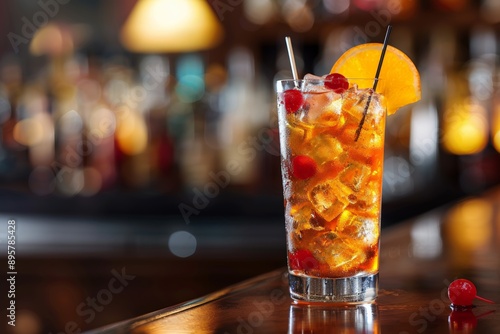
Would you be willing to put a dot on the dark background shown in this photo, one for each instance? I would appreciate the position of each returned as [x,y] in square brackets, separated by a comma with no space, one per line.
[70,243]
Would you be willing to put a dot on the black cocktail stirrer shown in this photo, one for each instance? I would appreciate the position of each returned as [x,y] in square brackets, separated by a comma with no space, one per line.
[375,83]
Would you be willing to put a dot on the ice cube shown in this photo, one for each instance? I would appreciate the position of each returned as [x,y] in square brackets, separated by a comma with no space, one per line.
[368,138]
[320,100]
[329,116]
[367,201]
[359,102]
[324,147]
[342,255]
[304,217]
[293,191]
[355,176]
[314,85]
[316,103]
[354,104]
[377,110]
[310,76]
[356,227]
[298,134]
[328,199]
[317,98]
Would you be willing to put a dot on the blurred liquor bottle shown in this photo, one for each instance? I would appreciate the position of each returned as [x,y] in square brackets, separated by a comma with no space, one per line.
[244,114]
[14,163]
[469,111]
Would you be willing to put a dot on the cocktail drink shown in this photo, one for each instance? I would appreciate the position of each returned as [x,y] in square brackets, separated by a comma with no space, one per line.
[332,158]
[332,151]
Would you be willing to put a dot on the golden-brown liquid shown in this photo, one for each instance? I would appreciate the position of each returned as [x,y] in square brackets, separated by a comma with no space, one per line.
[332,205]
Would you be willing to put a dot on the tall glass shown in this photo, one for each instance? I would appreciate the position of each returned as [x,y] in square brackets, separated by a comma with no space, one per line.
[332,152]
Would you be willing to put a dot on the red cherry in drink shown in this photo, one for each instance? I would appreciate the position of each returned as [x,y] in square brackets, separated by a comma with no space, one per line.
[336,82]
[303,167]
[293,100]
[302,259]
[462,292]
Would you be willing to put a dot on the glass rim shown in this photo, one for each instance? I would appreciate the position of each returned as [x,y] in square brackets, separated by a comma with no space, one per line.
[323,79]
[364,83]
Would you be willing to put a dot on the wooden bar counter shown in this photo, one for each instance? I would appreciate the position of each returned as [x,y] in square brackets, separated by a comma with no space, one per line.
[419,258]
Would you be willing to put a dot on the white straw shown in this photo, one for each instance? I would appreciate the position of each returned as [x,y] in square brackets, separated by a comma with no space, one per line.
[292,58]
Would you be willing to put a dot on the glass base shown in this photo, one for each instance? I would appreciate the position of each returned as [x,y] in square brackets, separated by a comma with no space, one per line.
[356,289]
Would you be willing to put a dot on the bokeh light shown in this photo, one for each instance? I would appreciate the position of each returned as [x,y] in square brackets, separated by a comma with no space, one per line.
[28,132]
[131,132]
[337,6]
[101,123]
[465,128]
[182,244]
[260,11]
[70,181]
[403,9]
[190,73]
[367,5]
[469,224]
[426,237]
[495,127]
[298,15]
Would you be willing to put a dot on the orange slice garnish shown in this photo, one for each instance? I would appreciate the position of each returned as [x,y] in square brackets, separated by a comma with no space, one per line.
[399,78]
